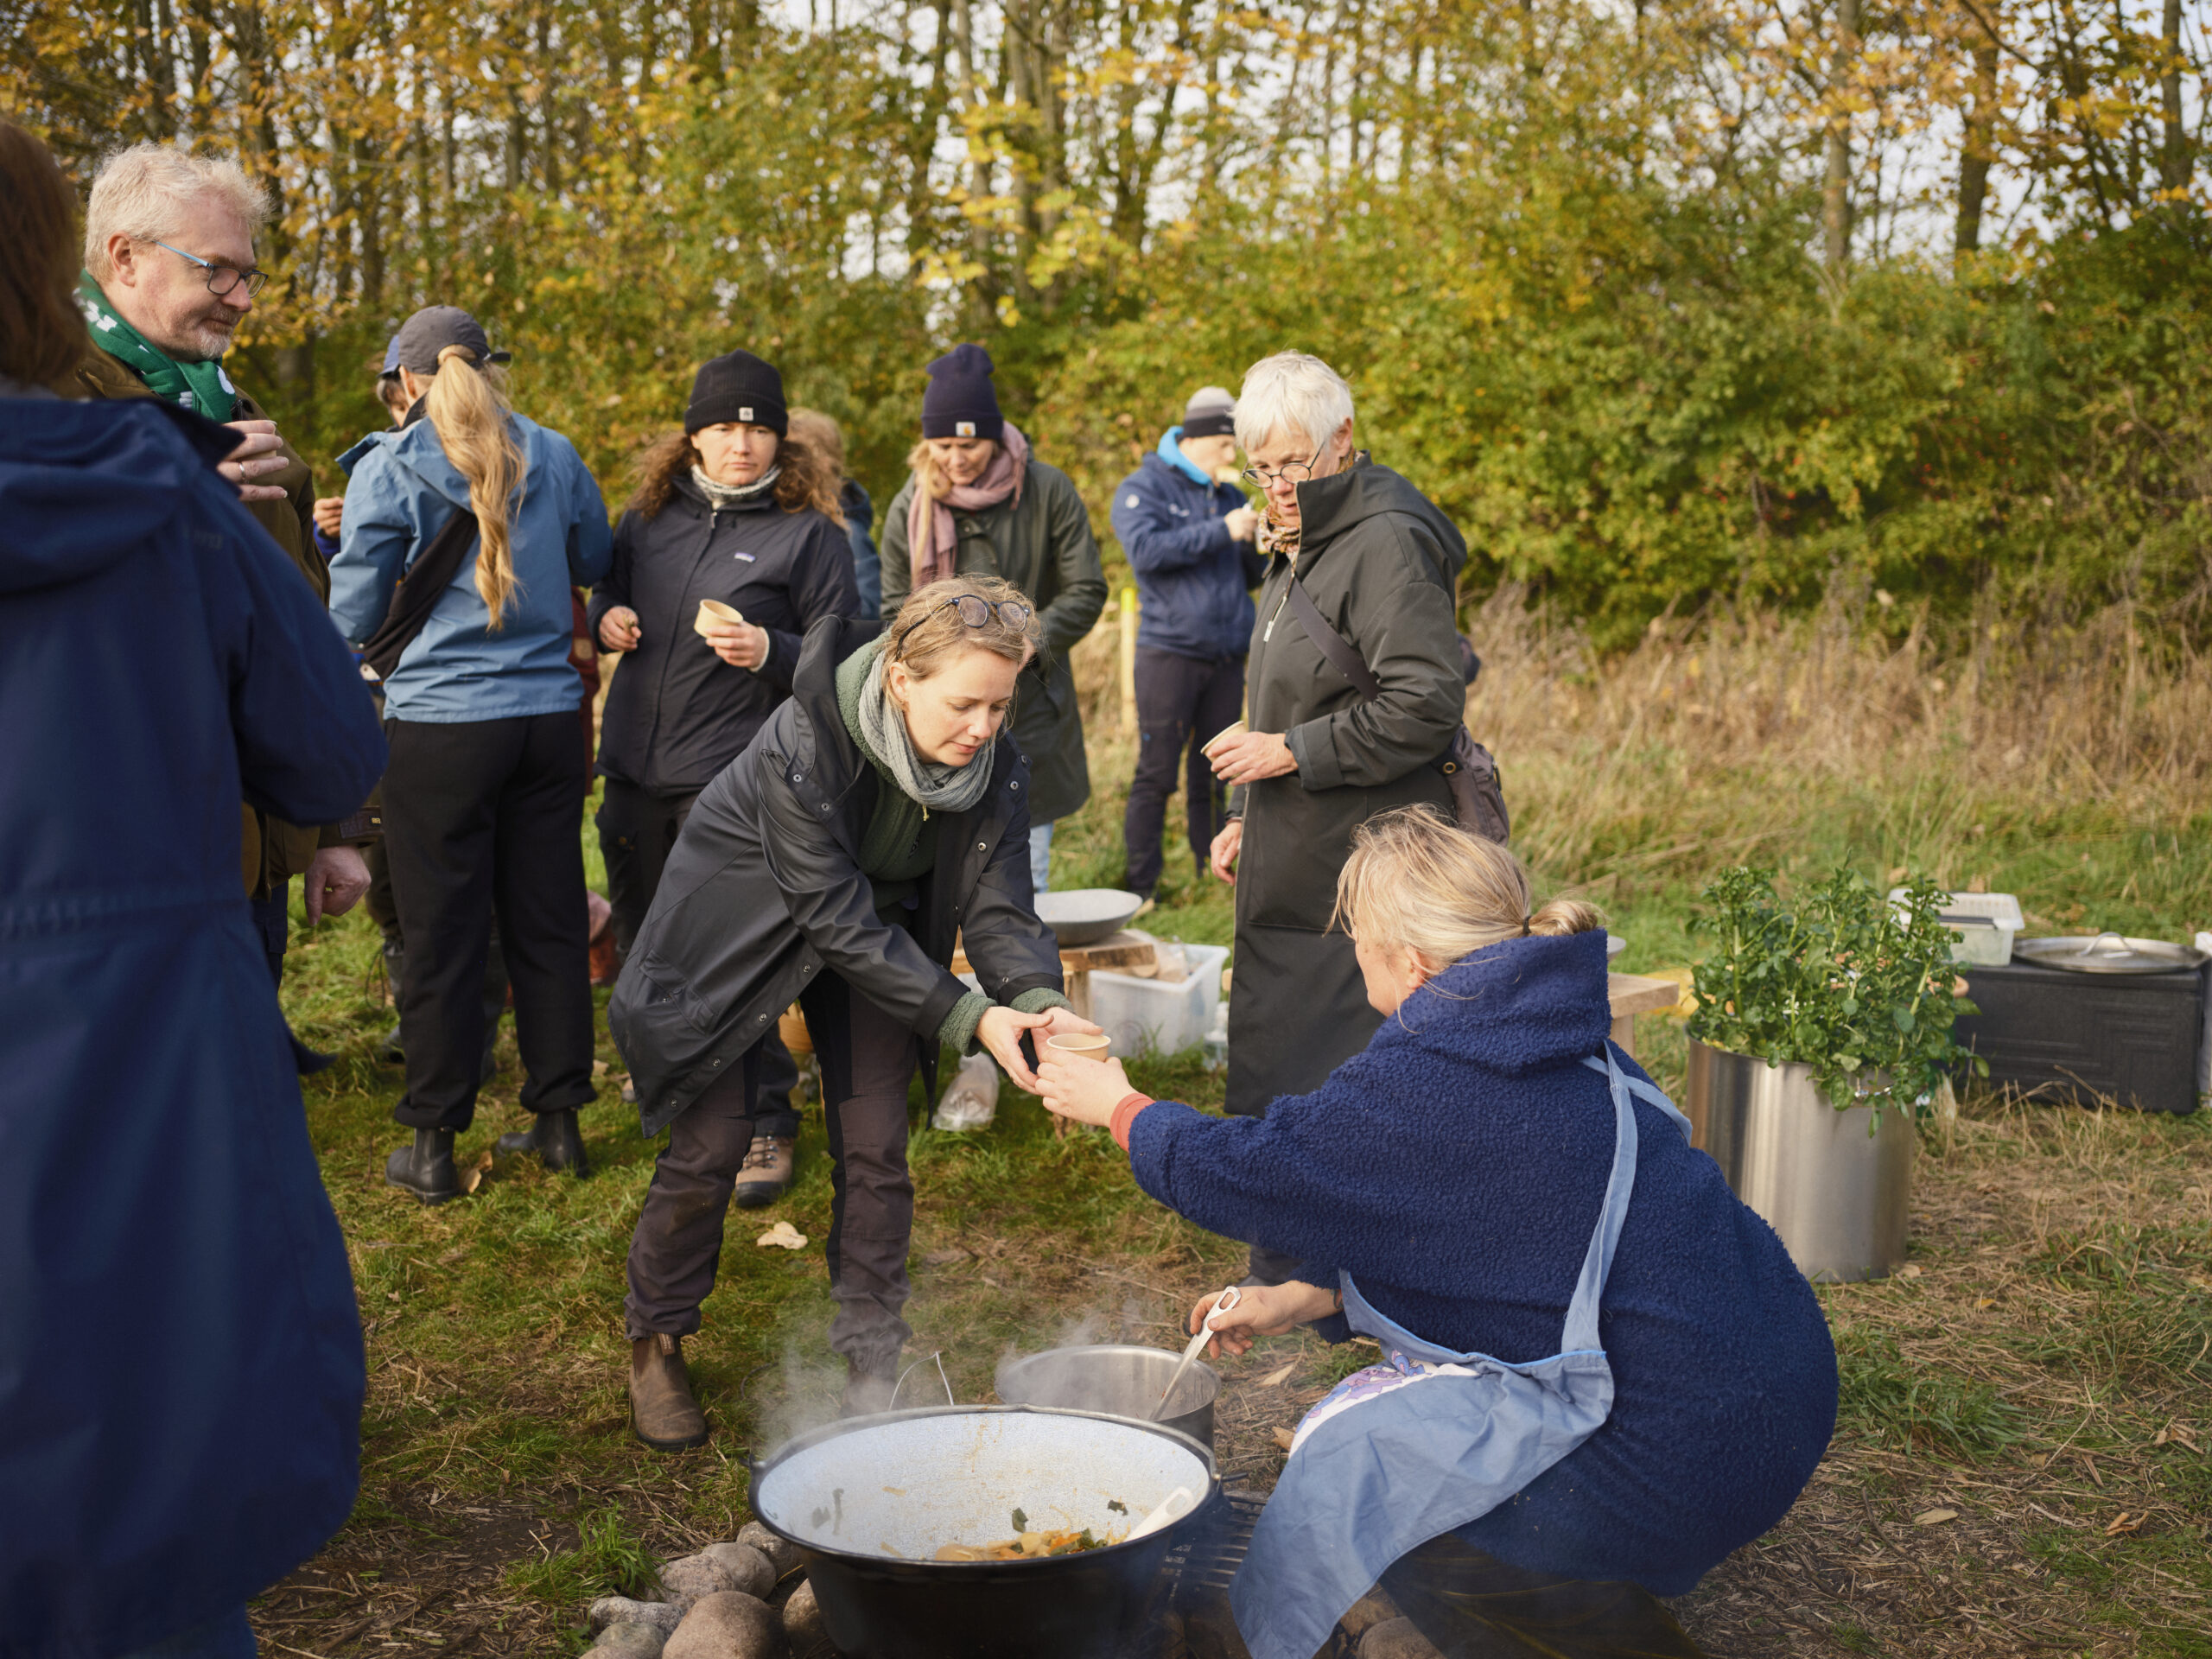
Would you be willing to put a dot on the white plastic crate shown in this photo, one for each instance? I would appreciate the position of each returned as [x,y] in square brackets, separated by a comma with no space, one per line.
[1145,1015]
[1987,924]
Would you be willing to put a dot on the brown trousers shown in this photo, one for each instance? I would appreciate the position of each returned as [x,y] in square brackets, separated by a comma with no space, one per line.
[868,1061]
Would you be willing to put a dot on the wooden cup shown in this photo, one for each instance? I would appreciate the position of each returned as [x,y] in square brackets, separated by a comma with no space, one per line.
[1222,736]
[1078,1046]
[713,613]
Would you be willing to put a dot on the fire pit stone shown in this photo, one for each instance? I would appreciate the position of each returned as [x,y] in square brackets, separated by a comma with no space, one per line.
[727,1625]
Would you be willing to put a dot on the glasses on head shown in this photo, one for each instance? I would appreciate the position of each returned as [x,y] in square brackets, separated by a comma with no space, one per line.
[1296,472]
[221,279]
[975,611]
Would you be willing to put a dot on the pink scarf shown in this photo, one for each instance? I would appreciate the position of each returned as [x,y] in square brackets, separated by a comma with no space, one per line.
[932,543]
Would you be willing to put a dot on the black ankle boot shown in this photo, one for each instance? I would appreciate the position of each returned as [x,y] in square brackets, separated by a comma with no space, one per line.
[556,1139]
[426,1167]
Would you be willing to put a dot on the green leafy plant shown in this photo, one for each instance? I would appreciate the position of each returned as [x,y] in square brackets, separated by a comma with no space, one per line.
[1838,981]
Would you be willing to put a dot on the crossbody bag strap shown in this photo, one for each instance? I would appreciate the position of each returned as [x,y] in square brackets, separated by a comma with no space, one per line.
[1333,645]
[415,594]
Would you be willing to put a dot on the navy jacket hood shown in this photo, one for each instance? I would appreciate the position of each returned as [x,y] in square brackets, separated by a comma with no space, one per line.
[85,483]
[1514,1007]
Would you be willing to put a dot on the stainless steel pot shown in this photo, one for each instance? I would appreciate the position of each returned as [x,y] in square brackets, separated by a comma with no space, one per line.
[1117,1378]
[868,1502]
[1836,1194]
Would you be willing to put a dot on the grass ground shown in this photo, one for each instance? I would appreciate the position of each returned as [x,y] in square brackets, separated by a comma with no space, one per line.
[2018,1466]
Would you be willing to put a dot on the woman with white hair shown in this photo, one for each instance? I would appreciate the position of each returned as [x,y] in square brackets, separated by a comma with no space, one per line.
[1600,1371]
[1361,562]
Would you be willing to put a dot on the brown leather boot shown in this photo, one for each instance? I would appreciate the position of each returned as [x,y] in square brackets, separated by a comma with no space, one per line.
[663,1413]
[767,1173]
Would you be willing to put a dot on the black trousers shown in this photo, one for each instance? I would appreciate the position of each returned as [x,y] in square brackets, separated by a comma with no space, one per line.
[1472,1605]
[638,830]
[480,817]
[867,1060]
[1181,703]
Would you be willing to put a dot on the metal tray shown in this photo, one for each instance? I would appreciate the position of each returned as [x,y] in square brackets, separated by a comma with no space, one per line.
[2107,953]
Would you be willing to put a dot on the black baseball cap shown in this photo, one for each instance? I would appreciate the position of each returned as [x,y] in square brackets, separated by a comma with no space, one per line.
[429,330]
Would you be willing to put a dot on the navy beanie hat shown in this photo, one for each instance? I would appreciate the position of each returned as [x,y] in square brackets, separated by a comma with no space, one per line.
[738,387]
[961,402]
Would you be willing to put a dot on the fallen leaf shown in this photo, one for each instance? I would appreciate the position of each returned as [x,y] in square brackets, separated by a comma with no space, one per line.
[944,1258]
[1910,1270]
[783,1235]
[2125,1522]
[1985,1301]
[1933,1517]
[1285,1439]
[599,1068]
[1276,1379]
[476,1172]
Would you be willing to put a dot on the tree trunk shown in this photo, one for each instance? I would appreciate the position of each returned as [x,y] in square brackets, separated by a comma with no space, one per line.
[1835,196]
[2174,167]
[1977,150]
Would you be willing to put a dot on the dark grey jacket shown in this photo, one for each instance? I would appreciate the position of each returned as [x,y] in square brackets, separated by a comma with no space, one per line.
[1382,564]
[1043,546]
[764,893]
[677,713]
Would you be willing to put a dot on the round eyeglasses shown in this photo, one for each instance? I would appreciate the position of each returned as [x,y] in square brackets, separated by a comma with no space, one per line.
[1296,472]
[975,611]
[221,279]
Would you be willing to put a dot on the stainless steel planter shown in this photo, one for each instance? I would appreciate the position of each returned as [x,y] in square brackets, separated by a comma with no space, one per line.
[1837,1196]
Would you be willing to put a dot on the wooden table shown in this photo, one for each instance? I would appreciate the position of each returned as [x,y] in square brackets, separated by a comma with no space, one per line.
[1122,951]
[1632,994]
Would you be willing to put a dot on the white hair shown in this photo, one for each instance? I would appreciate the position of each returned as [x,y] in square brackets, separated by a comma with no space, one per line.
[1291,392]
[145,192]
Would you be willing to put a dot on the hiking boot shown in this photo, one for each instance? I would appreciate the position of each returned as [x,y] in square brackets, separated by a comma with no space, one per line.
[425,1168]
[663,1412]
[869,1388]
[766,1172]
[556,1139]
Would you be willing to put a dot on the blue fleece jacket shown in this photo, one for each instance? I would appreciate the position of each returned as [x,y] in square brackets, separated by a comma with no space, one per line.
[1194,582]
[458,668]
[1455,1168]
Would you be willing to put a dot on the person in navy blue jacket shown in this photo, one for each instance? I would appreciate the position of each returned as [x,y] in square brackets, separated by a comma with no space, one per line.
[181,1366]
[1190,538]
[1451,1174]
[488,759]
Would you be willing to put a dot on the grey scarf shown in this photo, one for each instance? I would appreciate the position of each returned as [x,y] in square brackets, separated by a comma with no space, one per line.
[938,788]
[722,496]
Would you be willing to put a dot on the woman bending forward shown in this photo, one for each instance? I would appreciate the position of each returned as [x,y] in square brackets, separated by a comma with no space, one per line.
[1602,1371]
[881,810]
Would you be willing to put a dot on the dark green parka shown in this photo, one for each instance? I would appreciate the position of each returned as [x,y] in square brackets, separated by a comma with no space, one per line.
[1382,564]
[1042,544]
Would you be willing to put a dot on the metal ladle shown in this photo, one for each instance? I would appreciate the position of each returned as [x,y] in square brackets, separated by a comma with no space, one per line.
[1227,1299]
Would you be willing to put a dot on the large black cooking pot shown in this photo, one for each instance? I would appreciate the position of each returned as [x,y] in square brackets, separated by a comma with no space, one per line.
[869,1501]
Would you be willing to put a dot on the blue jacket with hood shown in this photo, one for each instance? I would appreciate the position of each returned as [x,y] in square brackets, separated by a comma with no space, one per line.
[403,492]
[1194,582]
[180,1370]
[1455,1169]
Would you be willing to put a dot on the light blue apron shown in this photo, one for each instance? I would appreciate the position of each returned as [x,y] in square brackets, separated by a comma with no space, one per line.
[1399,1453]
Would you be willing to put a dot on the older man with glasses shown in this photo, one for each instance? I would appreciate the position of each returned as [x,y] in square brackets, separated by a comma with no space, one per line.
[170,273]
[1360,561]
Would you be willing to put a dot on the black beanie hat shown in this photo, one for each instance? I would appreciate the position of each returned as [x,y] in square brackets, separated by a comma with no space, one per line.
[961,402]
[738,387]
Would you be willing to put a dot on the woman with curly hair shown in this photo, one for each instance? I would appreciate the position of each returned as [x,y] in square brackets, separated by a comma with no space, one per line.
[737,512]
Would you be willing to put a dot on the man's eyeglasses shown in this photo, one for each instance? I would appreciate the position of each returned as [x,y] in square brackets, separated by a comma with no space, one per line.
[1296,472]
[975,611]
[221,279]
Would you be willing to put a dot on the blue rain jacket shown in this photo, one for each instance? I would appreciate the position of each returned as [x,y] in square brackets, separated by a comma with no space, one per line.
[403,492]
[180,1370]
[1194,585]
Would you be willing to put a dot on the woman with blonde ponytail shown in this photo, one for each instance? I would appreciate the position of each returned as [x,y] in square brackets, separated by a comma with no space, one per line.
[1603,1373]
[489,759]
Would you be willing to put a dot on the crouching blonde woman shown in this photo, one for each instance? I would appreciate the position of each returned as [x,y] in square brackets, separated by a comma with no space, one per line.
[1602,1372]
[883,809]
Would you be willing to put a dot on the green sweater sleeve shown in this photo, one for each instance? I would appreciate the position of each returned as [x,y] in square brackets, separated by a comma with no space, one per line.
[958,1031]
